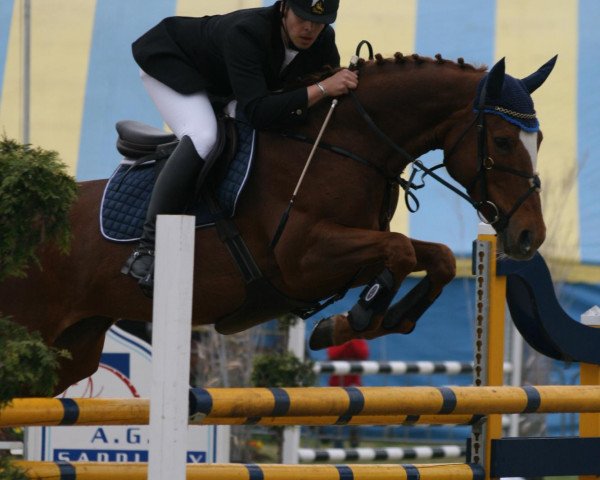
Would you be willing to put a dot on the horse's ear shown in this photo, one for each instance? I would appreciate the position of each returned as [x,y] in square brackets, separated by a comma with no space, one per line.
[495,80]
[533,81]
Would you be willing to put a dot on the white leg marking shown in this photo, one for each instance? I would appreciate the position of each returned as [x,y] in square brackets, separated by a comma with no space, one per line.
[529,140]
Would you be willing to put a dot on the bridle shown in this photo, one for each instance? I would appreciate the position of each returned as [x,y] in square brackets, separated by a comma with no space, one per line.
[485,164]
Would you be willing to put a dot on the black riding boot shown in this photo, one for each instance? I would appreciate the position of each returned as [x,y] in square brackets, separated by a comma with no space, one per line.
[172,190]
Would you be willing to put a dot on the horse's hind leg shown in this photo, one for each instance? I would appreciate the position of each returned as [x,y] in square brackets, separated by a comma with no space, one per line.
[84,341]
[438,262]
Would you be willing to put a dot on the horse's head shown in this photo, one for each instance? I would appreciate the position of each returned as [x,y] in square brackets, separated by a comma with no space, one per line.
[496,160]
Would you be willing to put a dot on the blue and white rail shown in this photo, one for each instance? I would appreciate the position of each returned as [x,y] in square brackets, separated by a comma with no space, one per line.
[308,455]
[396,368]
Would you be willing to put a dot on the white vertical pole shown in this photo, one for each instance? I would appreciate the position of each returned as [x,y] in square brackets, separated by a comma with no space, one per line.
[296,338]
[291,435]
[172,322]
[26,70]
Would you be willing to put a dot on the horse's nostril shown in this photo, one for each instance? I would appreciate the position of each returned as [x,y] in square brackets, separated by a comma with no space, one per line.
[525,241]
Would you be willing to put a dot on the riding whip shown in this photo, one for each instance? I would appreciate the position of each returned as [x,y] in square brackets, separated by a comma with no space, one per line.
[286,214]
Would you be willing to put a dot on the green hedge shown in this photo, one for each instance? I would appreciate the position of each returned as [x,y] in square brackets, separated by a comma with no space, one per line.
[35,197]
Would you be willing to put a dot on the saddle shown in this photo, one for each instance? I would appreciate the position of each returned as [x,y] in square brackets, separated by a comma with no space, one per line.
[136,139]
[145,150]
[139,141]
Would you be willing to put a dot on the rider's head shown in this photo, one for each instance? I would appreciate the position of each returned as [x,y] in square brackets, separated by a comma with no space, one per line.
[317,11]
[304,20]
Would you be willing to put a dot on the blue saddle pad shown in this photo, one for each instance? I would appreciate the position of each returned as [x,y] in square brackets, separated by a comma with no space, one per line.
[126,196]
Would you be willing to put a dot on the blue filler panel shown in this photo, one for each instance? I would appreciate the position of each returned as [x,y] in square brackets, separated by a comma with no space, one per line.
[542,456]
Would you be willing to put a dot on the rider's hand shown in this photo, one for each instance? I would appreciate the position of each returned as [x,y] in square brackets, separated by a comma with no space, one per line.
[340,83]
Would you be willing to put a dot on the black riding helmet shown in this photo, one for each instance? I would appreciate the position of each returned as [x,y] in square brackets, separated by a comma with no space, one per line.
[318,11]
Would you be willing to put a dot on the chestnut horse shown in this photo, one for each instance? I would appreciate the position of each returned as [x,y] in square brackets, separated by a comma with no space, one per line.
[338,233]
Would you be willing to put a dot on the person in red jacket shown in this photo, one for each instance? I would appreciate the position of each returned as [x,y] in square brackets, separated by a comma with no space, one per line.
[356,349]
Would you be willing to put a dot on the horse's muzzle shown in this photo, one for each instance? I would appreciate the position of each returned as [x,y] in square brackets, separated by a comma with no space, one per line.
[521,245]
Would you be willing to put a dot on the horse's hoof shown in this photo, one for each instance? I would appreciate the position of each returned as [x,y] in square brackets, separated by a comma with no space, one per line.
[322,335]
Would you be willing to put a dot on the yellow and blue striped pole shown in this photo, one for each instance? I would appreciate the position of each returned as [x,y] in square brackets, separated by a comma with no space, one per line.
[54,412]
[300,403]
[98,471]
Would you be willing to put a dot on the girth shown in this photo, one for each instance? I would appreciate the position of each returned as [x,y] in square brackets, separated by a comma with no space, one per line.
[261,295]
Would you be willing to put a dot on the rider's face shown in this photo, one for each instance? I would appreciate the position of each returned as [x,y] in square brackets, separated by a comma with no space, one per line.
[302,33]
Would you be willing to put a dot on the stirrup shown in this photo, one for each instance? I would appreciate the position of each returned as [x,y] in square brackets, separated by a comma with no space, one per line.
[138,253]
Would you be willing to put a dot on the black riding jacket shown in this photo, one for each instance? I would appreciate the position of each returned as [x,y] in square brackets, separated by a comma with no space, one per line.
[238,55]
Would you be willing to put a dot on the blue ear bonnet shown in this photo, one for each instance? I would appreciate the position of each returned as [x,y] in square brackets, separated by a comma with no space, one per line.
[514,104]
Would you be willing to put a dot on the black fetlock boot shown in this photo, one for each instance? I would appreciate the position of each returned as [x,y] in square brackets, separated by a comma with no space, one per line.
[172,191]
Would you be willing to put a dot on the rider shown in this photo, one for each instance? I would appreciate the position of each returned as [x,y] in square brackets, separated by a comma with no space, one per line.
[248,55]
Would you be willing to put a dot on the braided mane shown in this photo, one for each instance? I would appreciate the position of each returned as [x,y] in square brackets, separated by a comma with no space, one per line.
[379,60]
[417,59]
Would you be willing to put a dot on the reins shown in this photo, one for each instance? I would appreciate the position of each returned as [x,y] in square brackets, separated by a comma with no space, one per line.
[407,185]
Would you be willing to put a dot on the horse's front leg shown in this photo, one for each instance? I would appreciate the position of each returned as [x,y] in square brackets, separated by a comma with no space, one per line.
[440,266]
[336,251]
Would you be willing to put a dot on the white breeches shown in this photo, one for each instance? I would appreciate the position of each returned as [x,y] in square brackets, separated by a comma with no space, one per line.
[190,115]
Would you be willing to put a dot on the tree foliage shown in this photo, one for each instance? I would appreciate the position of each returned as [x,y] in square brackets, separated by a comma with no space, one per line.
[35,197]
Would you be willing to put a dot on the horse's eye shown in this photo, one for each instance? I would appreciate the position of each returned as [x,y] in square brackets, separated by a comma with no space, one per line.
[502,143]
